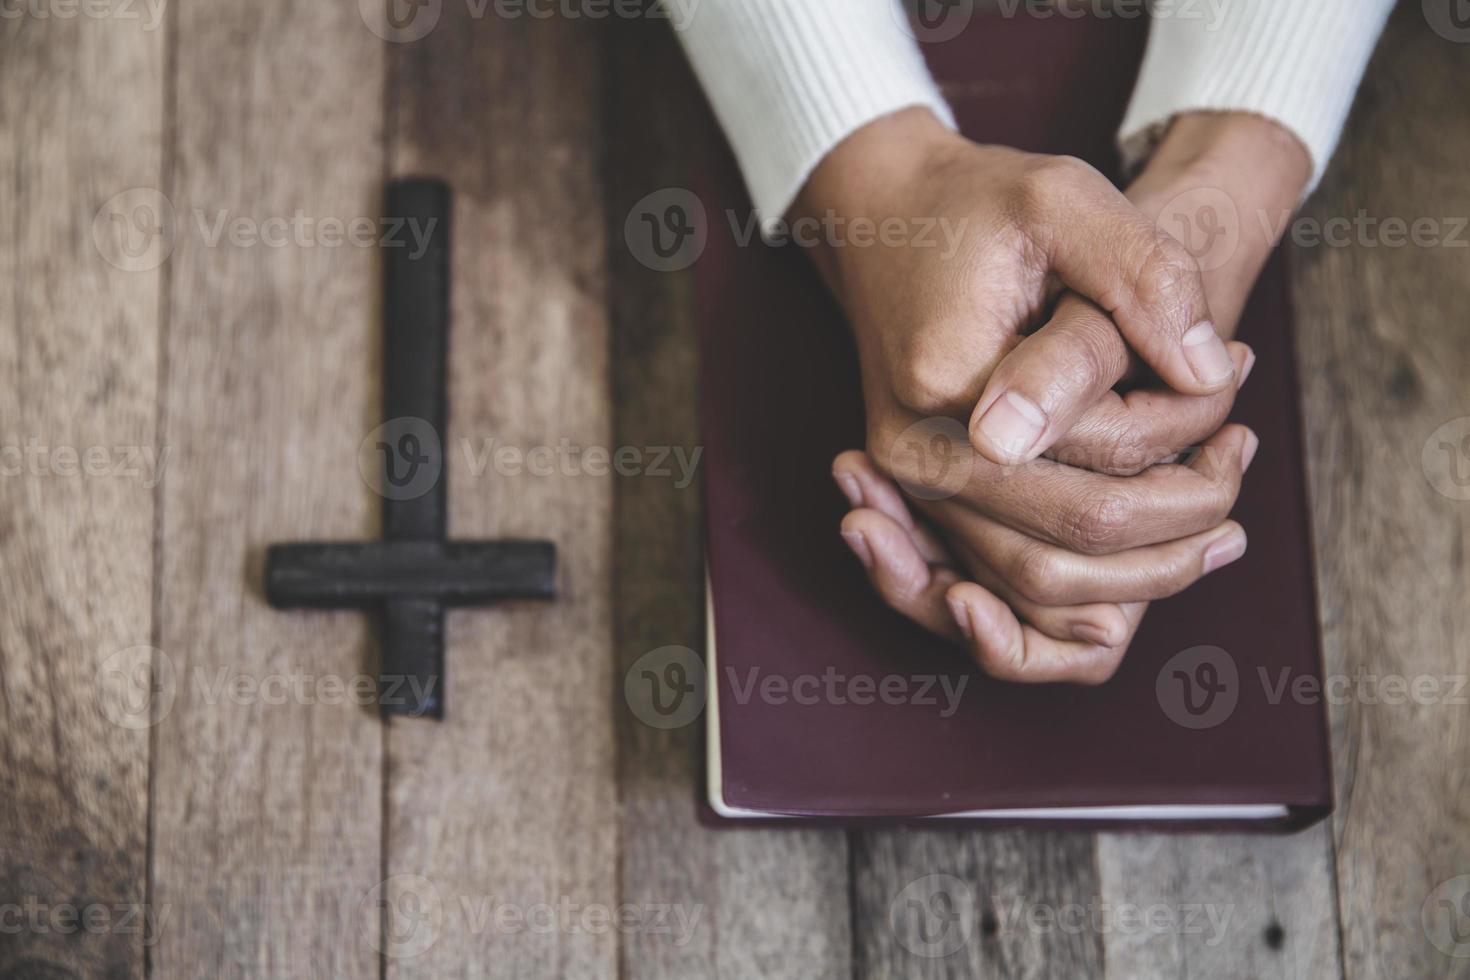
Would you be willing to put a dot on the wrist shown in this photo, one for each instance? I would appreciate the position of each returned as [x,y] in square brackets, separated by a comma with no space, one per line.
[867,175]
[1195,137]
[1226,185]
[861,174]
[1261,164]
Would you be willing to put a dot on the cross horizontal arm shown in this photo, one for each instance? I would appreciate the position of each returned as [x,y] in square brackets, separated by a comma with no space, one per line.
[330,575]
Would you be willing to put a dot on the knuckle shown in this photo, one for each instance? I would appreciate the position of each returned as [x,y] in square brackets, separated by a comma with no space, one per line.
[1044,179]
[1220,500]
[1102,670]
[1216,467]
[880,448]
[1076,364]
[1129,450]
[1061,169]
[1036,574]
[1167,279]
[902,592]
[1001,663]
[904,468]
[1098,524]
[932,386]
[1173,577]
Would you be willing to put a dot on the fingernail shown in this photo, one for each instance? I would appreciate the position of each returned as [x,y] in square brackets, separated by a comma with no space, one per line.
[1226,550]
[1206,354]
[1092,633]
[961,613]
[1248,451]
[859,546]
[1013,424]
[1245,372]
[850,489]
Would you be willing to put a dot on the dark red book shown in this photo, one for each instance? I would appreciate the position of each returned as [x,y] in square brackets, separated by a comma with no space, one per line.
[1200,726]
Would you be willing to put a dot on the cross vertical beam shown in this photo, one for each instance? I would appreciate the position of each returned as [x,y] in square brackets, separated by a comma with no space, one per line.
[416,359]
[414,573]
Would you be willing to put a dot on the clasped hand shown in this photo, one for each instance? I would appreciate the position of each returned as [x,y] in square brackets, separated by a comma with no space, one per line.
[1009,497]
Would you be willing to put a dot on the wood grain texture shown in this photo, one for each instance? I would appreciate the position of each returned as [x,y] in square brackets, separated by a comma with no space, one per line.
[953,904]
[1211,907]
[768,904]
[507,811]
[275,825]
[267,795]
[81,120]
[1385,365]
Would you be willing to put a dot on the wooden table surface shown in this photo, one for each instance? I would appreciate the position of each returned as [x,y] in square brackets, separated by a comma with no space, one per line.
[249,820]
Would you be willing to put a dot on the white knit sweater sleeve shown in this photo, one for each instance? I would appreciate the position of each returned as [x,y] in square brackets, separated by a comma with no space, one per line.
[1297,62]
[790,79]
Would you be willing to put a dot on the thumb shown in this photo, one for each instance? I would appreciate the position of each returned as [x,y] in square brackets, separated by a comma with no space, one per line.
[1047,382]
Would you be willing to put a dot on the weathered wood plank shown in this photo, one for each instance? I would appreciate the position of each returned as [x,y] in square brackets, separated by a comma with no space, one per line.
[1382,345]
[1385,364]
[941,904]
[507,811]
[1211,907]
[267,795]
[81,120]
[767,903]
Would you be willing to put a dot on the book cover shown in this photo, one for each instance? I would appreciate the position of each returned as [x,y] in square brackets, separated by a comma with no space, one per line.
[824,704]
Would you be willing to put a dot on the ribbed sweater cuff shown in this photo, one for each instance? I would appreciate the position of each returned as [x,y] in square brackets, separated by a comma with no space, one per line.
[1297,62]
[790,79]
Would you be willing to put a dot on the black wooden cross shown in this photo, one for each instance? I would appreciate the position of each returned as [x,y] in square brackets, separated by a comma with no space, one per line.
[411,576]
